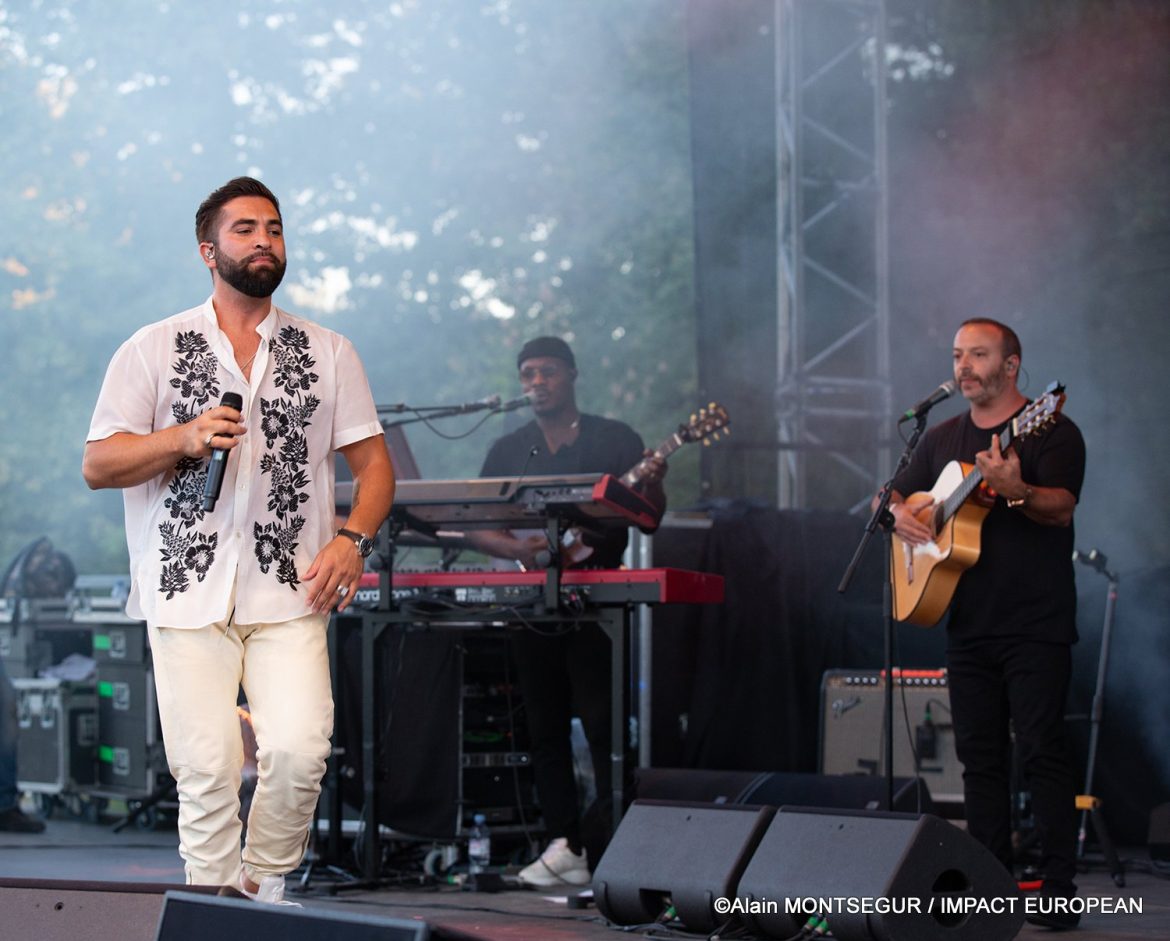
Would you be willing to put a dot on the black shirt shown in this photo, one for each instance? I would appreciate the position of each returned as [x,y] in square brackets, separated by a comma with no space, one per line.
[603,446]
[1022,584]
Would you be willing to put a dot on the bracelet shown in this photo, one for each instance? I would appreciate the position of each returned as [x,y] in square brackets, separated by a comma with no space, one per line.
[1021,502]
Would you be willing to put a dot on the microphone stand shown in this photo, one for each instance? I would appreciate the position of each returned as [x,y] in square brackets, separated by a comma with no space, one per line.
[885,519]
[1090,806]
[428,412]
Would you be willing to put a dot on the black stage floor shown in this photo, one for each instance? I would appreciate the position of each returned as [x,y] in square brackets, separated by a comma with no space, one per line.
[33,898]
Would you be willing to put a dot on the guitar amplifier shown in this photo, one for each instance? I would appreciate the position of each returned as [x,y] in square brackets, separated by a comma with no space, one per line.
[853,732]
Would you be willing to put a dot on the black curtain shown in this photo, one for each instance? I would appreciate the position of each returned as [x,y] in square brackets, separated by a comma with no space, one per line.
[742,679]
[756,698]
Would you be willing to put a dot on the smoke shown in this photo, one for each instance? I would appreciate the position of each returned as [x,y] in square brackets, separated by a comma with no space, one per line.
[1033,187]
[1015,201]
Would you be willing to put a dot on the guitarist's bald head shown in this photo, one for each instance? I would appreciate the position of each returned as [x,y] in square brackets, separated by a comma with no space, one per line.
[1009,341]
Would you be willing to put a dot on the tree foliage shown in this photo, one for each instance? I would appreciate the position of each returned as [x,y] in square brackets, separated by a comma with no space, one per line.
[455,178]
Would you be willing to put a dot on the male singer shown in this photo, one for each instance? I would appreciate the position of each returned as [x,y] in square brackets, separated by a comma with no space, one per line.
[1013,618]
[235,577]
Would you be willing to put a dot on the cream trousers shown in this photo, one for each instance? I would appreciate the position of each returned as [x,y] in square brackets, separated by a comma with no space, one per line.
[284,670]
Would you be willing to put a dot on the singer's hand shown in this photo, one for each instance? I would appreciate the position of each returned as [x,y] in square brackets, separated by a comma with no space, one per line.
[907,519]
[338,564]
[220,425]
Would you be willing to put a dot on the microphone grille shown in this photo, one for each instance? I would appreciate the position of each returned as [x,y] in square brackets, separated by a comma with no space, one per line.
[232,400]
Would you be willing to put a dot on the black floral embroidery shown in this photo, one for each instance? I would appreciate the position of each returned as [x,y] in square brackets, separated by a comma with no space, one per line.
[294,365]
[195,369]
[283,421]
[184,549]
[200,555]
[273,421]
[186,499]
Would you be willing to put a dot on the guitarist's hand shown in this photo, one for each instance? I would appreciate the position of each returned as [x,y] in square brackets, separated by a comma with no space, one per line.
[532,551]
[1001,471]
[907,522]
[651,469]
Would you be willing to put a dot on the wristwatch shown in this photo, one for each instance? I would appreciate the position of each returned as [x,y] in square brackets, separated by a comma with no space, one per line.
[1020,502]
[365,545]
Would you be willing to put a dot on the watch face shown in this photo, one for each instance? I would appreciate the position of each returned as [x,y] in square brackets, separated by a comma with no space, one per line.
[365,547]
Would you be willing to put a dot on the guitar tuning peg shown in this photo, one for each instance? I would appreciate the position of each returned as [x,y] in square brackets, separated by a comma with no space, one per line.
[706,442]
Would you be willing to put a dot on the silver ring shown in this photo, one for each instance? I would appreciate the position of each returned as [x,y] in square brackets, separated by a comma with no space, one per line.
[207,443]
[343,590]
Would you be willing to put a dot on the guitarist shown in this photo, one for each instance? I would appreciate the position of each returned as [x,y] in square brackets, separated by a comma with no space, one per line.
[567,674]
[1013,618]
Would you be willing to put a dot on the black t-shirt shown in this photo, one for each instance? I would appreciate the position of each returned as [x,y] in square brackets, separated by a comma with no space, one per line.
[1023,583]
[603,446]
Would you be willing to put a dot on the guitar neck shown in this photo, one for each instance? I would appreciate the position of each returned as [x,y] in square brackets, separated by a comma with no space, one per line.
[974,479]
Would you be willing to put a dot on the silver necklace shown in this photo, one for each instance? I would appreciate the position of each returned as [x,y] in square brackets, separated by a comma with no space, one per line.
[244,367]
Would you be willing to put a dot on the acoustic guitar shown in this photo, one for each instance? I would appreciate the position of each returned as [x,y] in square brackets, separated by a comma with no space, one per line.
[924,577]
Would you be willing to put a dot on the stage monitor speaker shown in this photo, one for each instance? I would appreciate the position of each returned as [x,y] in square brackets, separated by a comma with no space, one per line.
[846,791]
[189,917]
[72,910]
[697,785]
[680,854]
[893,877]
[853,733]
[779,788]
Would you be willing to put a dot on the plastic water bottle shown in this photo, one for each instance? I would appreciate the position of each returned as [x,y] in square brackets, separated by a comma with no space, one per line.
[479,846]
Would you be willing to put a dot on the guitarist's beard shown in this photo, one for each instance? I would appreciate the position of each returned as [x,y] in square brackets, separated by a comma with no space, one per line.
[990,388]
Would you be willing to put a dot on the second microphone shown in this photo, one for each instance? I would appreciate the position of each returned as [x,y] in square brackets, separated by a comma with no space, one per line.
[219,456]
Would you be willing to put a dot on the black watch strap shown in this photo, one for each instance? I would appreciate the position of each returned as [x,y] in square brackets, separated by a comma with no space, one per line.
[365,545]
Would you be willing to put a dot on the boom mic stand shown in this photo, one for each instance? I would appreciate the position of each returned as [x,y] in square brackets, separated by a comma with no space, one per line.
[885,519]
[493,405]
[1089,805]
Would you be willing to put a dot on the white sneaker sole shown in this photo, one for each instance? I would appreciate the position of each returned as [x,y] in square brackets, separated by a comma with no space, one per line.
[550,880]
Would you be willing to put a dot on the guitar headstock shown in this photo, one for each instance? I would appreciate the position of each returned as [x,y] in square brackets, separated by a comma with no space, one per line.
[706,425]
[1041,413]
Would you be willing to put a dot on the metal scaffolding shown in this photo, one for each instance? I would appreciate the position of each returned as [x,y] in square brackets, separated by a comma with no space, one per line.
[833,402]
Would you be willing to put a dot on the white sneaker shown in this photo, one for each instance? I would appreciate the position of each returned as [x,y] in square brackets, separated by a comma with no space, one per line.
[557,865]
[270,891]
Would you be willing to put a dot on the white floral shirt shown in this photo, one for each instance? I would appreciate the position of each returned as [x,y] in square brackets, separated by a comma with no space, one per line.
[308,397]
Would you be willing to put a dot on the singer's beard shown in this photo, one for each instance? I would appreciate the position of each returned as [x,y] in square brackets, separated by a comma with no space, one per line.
[990,386]
[254,282]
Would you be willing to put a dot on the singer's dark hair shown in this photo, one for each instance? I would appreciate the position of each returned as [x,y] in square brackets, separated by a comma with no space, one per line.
[1009,342]
[207,215]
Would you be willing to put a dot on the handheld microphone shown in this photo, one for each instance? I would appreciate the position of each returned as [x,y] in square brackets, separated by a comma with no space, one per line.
[219,456]
[513,404]
[943,392]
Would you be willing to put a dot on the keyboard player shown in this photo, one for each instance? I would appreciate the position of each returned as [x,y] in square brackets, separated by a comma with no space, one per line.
[565,674]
